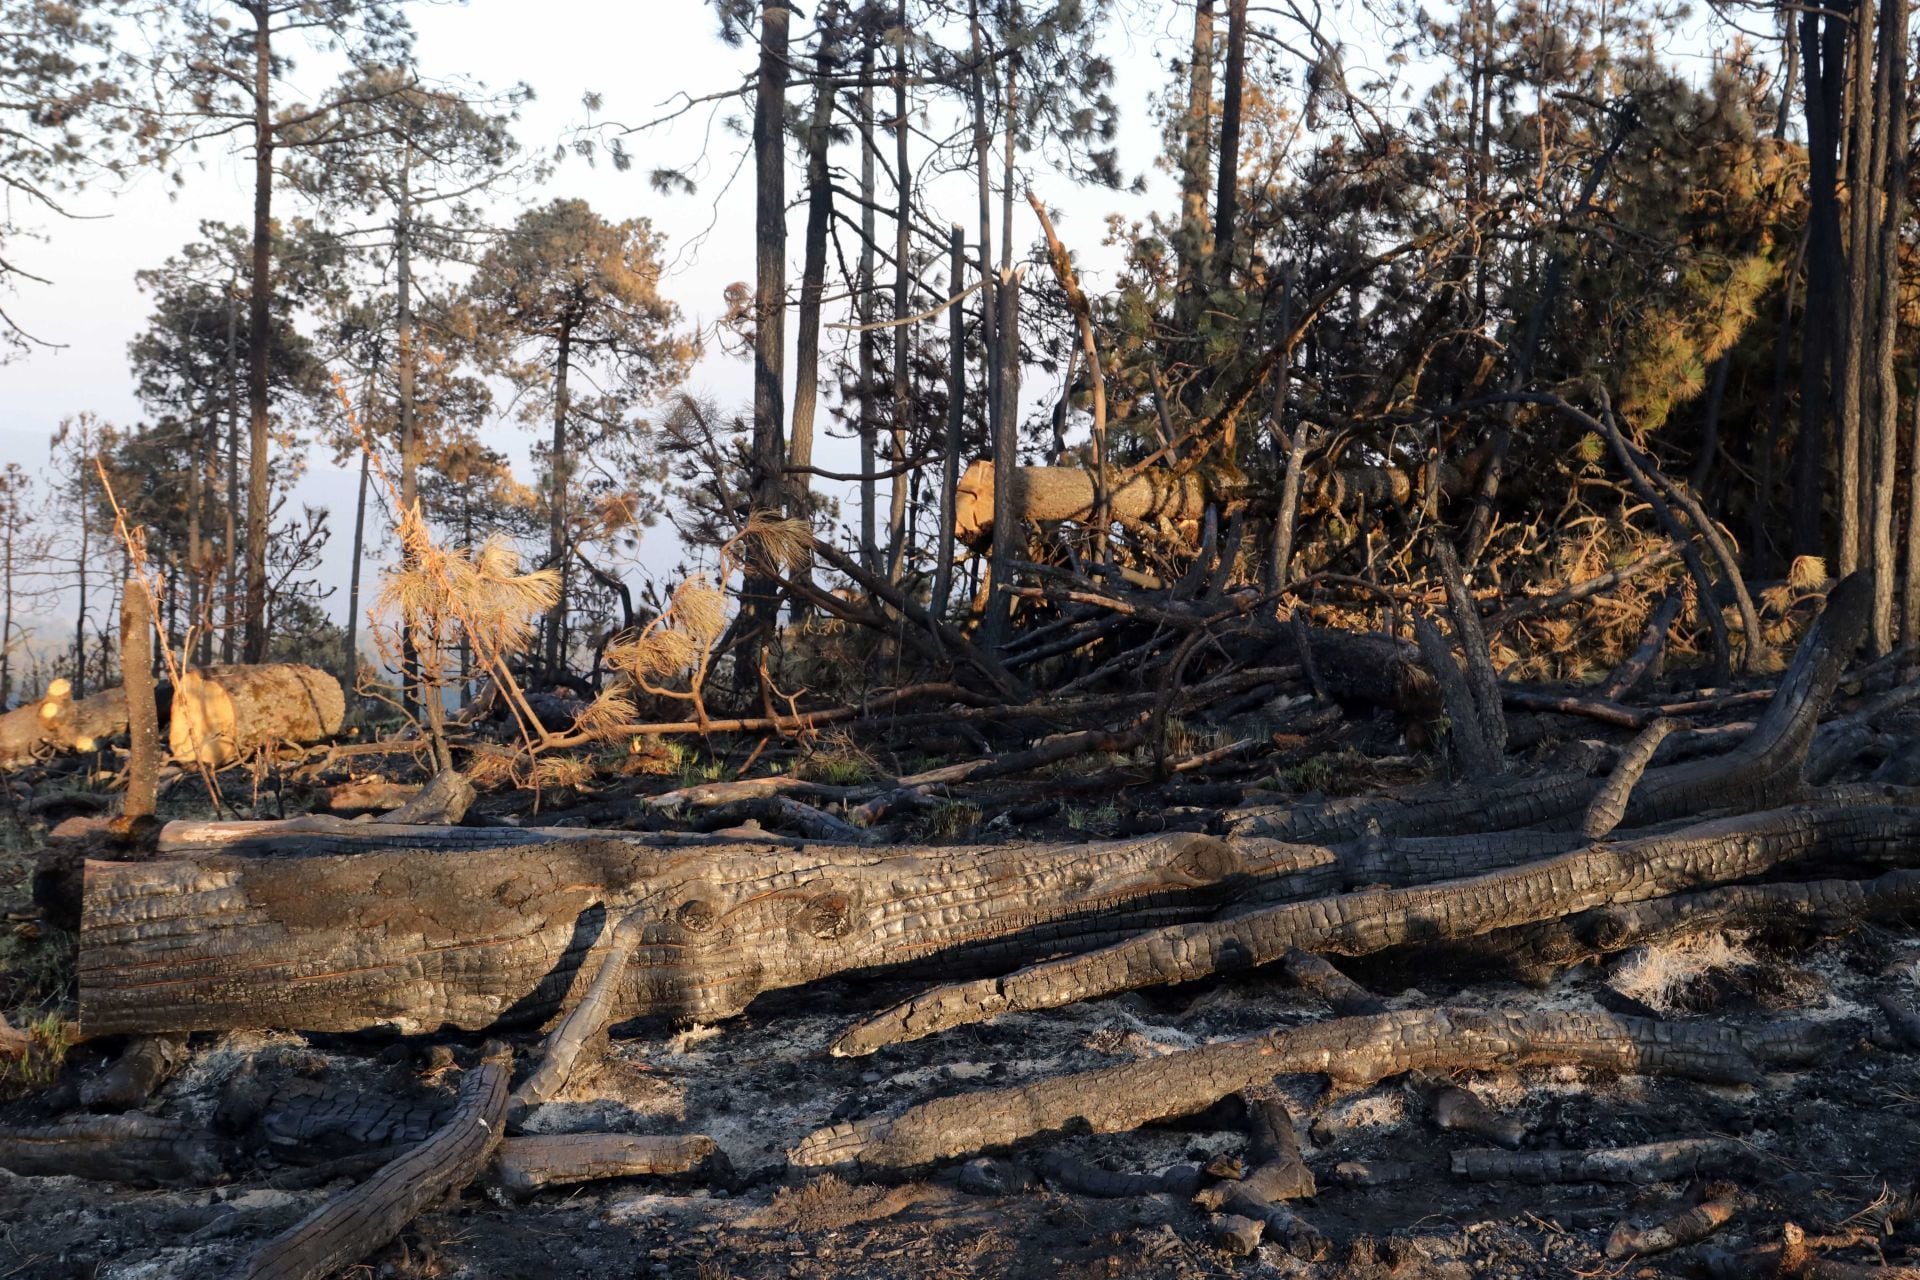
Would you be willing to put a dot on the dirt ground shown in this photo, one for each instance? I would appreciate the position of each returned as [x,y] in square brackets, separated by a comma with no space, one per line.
[1829,1148]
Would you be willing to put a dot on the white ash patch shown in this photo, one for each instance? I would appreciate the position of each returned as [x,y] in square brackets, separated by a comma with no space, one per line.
[194,1091]
[186,1263]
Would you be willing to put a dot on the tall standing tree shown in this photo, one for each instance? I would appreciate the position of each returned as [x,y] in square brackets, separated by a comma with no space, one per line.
[225,63]
[564,292]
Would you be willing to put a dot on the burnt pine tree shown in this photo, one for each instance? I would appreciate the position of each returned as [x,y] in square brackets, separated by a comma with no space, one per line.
[561,292]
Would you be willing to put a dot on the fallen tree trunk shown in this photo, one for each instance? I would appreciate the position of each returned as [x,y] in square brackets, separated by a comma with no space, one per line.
[524,1165]
[134,1148]
[1351,1050]
[61,722]
[224,714]
[354,1223]
[1372,920]
[416,941]
[1049,495]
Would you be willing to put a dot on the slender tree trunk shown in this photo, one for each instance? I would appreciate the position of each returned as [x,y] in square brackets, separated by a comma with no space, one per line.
[982,145]
[902,282]
[813,269]
[1888,195]
[350,660]
[770,301]
[1195,165]
[956,419]
[195,555]
[80,624]
[136,676]
[559,465]
[1910,612]
[6,603]
[1823,48]
[259,339]
[1862,254]
[869,429]
[1227,198]
[230,548]
[412,682]
[1008,540]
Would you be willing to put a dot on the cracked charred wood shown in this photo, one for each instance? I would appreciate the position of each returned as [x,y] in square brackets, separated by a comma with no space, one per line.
[524,1165]
[60,722]
[1350,1050]
[1458,1111]
[307,1120]
[1652,1162]
[1342,994]
[224,714]
[1610,806]
[1373,920]
[143,1066]
[1081,1177]
[1677,1230]
[412,942]
[1234,1234]
[1764,767]
[134,1148]
[1275,1173]
[354,1223]
[1828,907]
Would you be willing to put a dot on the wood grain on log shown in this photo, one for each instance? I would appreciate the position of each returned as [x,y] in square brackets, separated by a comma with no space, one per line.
[1351,1050]
[417,941]
[223,714]
[354,1223]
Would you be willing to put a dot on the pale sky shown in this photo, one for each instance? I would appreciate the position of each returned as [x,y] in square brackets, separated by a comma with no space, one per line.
[636,53]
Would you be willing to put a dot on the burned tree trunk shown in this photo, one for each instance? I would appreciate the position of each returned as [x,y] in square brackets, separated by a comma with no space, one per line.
[415,941]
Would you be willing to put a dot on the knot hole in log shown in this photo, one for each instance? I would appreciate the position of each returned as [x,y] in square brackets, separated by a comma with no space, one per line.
[827,916]
[1205,860]
[696,915]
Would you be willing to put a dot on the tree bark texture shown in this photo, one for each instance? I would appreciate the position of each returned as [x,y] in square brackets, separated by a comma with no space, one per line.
[224,714]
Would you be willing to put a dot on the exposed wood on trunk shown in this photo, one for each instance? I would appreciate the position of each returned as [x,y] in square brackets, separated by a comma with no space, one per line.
[354,1223]
[60,722]
[1351,1050]
[1653,1162]
[143,716]
[224,714]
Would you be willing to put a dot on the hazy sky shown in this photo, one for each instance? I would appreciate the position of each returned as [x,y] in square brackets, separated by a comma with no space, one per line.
[637,54]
